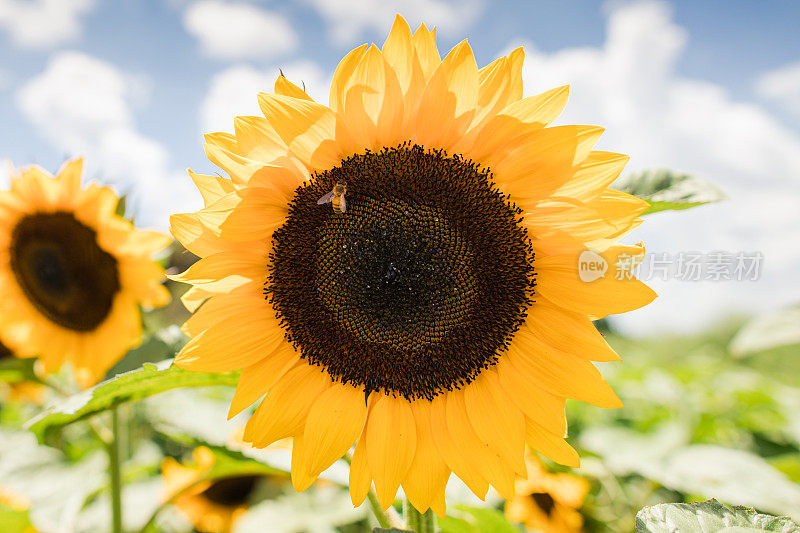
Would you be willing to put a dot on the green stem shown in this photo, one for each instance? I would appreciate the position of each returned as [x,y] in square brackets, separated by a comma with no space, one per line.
[115,472]
[383,520]
[416,521]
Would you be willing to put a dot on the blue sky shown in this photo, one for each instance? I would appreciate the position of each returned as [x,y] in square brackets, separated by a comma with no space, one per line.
[711,87]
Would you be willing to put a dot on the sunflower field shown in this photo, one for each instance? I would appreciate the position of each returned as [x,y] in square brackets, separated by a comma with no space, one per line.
[395,311]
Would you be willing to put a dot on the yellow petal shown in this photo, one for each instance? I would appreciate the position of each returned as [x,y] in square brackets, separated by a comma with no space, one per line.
[427,477]
[360,477]
[593,175]
[548,410]
[519,117]
[333,424]
[212,188]
[472,447]
[608,216]
[307,128]
[69,178]
[391,443]
[540,162]
[425,47]
[558,281]
[286,88]
[196,237]
[233,343]
[448,103]
[373,102]
[559,373]
[259,213]
[283,411]
[255,380]
[496,419]
[301,479]
[569,331]
[550,445]
[228,269]
[341,77]
[400,54]
[451,453]
[258,141]
[238,167]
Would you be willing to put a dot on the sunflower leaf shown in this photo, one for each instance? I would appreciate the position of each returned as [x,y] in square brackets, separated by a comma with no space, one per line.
[667,190]
[14,370]
[708,517]
[476,520]
[128,387]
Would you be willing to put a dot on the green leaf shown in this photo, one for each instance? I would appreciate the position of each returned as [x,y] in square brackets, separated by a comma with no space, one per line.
[708,517]
[476,520]
[383,530]
[14,370]
[15,520]
[666,190]
[149,380]
[769,331]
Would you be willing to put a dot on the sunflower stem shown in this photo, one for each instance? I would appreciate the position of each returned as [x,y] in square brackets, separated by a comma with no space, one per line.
[383,520]
[115,472]
[416,521]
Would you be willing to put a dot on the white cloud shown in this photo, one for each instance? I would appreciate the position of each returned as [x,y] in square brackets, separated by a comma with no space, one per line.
[43,23]
[238,30]
[782,86]
[630,86]
[349,20]
[83,106]
[234,91]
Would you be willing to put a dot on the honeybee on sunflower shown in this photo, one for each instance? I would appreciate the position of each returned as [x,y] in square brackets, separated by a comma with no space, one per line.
[73,273]
[439,323]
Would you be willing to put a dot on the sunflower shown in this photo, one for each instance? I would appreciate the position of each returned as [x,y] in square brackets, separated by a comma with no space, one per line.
[548,502]
[73,273]
[400,270]
[212,506]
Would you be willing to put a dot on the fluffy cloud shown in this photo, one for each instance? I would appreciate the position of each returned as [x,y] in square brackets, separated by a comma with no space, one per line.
[782,86]
[42,23]
[630,85]
[234,91]
[349,20]
[237,30]
[83,106]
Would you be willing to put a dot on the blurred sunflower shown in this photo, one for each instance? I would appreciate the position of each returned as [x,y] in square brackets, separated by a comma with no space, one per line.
[211,506]
[73,273]
[400,269]
[548,502]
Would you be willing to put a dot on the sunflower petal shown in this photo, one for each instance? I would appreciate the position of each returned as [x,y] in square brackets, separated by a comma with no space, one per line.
[391,443]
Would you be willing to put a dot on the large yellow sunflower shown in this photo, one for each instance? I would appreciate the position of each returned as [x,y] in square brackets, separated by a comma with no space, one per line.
[436,317]
[73,273]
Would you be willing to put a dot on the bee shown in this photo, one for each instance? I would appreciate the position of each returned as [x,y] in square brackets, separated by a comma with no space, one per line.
[336,197]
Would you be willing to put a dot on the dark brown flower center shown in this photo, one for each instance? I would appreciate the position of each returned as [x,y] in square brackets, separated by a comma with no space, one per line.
[231,491]
[63,271]
[417,286]
[544,501]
